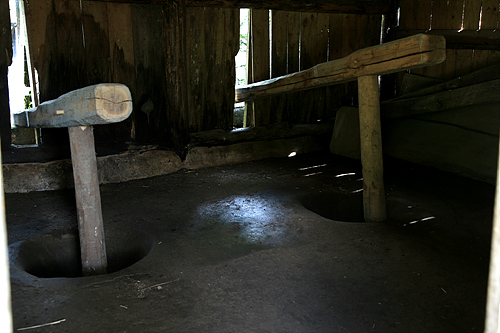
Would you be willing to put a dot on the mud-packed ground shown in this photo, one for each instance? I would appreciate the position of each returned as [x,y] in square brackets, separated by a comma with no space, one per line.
[237,249]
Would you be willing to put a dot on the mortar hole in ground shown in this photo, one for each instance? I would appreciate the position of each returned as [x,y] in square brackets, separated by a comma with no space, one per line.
[57,254]
[344,207]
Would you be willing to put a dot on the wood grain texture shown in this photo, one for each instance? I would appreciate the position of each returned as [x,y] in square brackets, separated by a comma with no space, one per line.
[329,6]
[374,205]
[279,64]
[412,52]
[88,201]
[259,56]
[481,93]
[92,105]
[176,71]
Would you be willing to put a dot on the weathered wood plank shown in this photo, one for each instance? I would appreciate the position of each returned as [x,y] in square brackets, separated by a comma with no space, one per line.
[93,105]
[195,47]
[149,117]
[39,24]
[221,34]
[5,61]
[176,72]
[374,206]
[482,75]
[422,20]
[96,41]
[454,22]
[259,55]
[5,35]
[489,14]
[4,108]
[335,93]
[98,65]
[407,14]
[317,6]
[314,50]
[465,56]
[122,64]
[438,21]
[349,93]
[220,137]
[423,14]
[481,93]
[489,20]
[279,64]
[412,52]
[464,39]
[88,201]
[292,113]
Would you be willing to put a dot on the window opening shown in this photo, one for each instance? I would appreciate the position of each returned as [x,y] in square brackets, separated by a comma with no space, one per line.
[20,91]
[241,67]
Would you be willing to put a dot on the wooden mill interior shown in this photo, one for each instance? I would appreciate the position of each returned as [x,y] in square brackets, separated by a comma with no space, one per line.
[269,217]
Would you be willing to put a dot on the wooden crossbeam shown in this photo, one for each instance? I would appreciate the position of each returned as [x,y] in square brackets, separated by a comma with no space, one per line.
[407,53]
[319,6]
[79,110]
[364,65]
[93,105]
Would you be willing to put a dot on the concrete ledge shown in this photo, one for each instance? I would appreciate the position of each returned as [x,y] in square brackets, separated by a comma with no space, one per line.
[56,175]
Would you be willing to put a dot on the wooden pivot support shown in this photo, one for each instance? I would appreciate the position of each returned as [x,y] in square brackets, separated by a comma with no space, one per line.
[79,110]
[364,66]
[374,206]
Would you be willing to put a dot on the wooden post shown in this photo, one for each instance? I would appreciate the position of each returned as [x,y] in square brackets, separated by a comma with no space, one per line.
[493,298]
[371,149]
[5,299]
[88,201]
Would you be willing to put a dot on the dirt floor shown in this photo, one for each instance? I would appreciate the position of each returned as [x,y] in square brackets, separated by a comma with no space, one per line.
[238,249]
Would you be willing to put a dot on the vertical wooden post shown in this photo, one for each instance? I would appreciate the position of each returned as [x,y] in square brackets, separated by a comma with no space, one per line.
[493,298]
[371,149]
[88,200]
[5,299]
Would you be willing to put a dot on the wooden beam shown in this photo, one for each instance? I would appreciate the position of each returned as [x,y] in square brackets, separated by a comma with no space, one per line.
[481,93]
[88,201]
[411,52]
[97,104]
[371,149]
[92,105]
[487,39]
[319,6]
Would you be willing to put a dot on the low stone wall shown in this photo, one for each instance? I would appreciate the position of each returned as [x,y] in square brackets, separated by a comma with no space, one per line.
[55,175]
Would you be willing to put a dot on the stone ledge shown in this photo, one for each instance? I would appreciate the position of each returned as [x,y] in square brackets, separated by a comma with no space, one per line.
[56,175]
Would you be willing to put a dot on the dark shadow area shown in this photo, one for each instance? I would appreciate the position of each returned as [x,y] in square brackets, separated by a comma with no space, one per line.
[342,207]
[57,254]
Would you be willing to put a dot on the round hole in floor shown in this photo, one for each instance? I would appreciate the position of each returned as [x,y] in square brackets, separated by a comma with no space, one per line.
[344,207]
[57,254]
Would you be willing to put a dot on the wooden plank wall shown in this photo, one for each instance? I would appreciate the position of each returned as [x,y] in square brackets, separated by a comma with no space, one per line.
[299,41]
[143,47]
[5,61]
[453,15]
